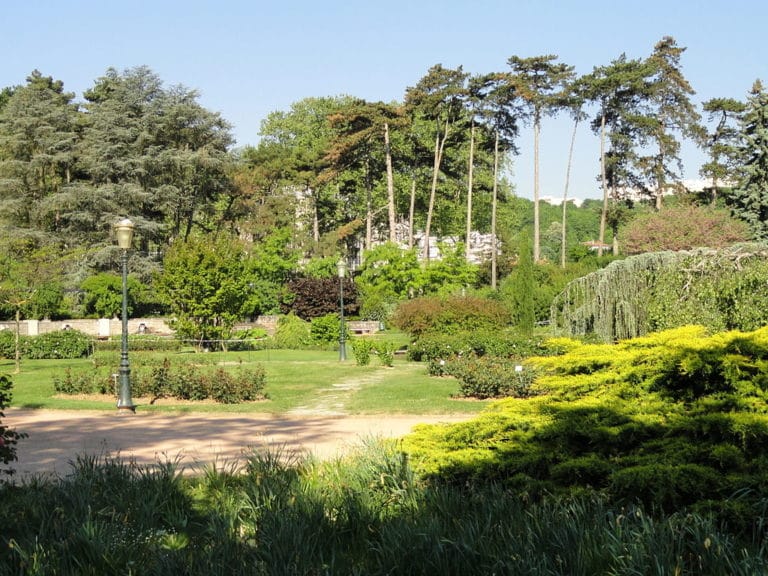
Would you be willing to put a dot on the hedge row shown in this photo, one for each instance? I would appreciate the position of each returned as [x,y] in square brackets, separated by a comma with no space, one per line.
[162,380]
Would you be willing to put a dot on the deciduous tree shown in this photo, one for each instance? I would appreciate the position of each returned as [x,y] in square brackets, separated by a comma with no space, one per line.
[204,286]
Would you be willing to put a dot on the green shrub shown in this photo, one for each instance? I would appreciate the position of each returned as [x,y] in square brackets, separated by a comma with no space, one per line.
[8,343]
[293,333]
[233,387]
[8,437]
[61,344]
[162,380]
[325,329]
[250,339]
[450,315]
[139,343]
[84,382]
[485,377]
[501,343]
[680,416]
[385,350]
[361,348]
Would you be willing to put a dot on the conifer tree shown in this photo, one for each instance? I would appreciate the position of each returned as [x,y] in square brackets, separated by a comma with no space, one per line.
[749,200]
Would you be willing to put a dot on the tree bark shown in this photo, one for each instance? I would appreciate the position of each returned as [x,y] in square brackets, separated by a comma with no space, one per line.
[565,193]
[315,219]
[368,207]
[604,179]
[439,147]
[411,211]
[494,250]
[390,185]
[468,247]
[536,223]
[17,353]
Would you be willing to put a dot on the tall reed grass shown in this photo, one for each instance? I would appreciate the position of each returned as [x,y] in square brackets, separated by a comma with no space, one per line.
[361,513]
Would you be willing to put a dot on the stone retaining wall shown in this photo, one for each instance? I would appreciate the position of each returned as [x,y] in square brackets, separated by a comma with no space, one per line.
[107,327]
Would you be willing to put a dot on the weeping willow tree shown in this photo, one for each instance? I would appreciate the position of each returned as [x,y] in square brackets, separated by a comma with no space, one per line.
[720,289]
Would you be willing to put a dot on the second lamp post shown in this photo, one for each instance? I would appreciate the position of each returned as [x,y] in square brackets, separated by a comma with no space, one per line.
[341,267]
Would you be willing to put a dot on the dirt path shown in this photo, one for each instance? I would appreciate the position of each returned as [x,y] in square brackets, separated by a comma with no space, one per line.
[57,437]
[332,401]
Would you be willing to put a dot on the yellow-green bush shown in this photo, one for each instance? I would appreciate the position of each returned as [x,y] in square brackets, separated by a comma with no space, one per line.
[671,419]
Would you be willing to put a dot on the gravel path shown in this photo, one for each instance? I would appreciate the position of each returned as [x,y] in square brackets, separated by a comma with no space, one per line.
[57,437]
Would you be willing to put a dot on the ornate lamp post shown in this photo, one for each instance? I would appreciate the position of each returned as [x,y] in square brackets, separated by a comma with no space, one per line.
[341,267]
[124,233]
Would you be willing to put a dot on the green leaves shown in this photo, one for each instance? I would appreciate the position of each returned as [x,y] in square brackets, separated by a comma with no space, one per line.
[203,284]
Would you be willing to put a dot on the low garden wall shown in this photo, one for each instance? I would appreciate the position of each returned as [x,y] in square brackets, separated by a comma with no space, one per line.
[107,327]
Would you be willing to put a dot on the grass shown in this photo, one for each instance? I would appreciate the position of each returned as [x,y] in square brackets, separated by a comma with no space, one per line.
[295,379]
[366,514]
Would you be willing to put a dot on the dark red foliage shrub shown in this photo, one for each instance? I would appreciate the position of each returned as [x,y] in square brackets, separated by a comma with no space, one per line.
[314,297]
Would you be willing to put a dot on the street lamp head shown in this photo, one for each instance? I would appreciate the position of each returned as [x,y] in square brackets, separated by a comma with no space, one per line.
[124,233]
[341,267]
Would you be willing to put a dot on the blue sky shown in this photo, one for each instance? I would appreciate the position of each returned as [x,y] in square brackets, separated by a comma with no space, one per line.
[250,58]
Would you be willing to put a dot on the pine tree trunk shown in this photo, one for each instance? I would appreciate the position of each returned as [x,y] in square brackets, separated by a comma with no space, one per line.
[439,147]
[411,210]
[17,342]
[390,185]
[565,193]
[536,223]
[315,220]
[467,247]
[368,218]
[660,180]
[368,207]
[494,255]
[604,179]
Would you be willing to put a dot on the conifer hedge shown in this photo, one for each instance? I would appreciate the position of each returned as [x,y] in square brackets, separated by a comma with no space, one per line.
[674,419]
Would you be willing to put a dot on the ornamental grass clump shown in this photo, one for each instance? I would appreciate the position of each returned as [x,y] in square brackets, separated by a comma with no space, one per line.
[364,512]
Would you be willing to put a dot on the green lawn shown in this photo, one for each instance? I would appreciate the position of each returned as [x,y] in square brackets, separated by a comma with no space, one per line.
[296,379]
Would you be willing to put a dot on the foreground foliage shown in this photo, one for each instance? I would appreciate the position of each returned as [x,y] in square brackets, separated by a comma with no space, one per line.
[8,436]
[362,513]
[673,420]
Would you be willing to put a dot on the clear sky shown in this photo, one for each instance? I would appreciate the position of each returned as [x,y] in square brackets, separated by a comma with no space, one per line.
[248,58]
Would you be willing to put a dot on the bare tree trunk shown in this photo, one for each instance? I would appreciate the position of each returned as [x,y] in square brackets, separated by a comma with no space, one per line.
[368,207]
[565,193]
[660,180]
[467,247]
[17,354]
[368,218]
[390,185]
[315,218]
[659,194]
[411,210]
[604,178]
[439,147]
[536,223]
[494,256]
